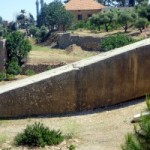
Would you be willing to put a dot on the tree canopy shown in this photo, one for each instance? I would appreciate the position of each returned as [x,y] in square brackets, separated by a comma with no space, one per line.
[54,16]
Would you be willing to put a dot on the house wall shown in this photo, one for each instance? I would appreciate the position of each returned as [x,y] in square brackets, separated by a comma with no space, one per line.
[84,13]
[106,79]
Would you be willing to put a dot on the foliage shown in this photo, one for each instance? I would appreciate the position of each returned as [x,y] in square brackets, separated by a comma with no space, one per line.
[10,77]
[25,20]
[2,76]
[72,147]
[29,72]
[131,143]
[38,135]
[143,10]
[126,19]
[115,41]
[17,46]
[54,16]
[140,139]
[141,23]
[148,101]
[13,67]
[1,20]
[49,68]
[33,30]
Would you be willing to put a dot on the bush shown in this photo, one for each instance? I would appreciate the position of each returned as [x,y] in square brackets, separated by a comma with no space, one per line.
[115,41]
[33,30]
[17,46]
[72,147]
[38,135]
[148,101]
[13,67]
[140,139]
[10,77]
[29,72]
[2,76]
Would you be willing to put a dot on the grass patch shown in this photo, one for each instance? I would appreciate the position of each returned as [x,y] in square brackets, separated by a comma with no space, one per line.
[71,129]
[3,139]
[39,48]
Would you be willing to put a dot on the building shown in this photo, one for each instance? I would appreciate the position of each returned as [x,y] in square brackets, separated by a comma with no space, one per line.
[83,9]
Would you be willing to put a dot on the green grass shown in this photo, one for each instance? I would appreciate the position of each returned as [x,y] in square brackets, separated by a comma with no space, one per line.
[3,139]
[40,48]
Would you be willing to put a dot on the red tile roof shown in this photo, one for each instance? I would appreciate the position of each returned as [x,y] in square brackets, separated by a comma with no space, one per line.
[83,5]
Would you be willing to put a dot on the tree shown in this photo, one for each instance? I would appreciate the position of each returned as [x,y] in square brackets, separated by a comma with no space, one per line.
[126,19]
[107,18]
[1,20]
[143,10]
[54,16]
[131,3]
[95,21]
[25,20]
[141,23]
[17,47]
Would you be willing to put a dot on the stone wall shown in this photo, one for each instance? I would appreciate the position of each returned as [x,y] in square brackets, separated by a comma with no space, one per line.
[90,43]
[40,67]
[2,54]
[106,79]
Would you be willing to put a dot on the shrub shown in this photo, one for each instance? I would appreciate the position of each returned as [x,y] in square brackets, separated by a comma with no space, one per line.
[140,139]
[33,30]
[29,72]
[17,46]
[38,135]
[115,41]
[72,147]
[131,143]
[2,76]
[10,77]
[148,101]
[13,67]
[49,68]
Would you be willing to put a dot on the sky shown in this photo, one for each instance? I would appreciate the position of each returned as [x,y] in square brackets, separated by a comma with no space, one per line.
[10,8]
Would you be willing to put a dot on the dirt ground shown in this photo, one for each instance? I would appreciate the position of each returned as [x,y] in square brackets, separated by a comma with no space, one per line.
[102,129]
[53,56]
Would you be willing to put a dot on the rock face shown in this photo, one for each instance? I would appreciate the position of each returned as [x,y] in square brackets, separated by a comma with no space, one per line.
[109,78]
[2,54]
[89,43]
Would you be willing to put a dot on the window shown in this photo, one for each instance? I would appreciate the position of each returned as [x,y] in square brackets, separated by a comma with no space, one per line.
[89,15]
[79,17]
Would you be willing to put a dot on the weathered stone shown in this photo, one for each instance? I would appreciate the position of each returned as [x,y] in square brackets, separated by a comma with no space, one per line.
[90,43]
[106,79]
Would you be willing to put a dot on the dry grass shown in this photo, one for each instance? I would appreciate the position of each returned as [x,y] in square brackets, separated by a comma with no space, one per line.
[46,55]
[103,129]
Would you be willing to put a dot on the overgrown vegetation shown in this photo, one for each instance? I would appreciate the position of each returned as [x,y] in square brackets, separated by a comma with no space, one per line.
[72,147]
[29,72]
[140,139]
[115,41]
[17,49]
[37,135]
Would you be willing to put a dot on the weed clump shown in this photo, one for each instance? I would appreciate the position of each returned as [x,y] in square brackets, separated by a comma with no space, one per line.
[37,135]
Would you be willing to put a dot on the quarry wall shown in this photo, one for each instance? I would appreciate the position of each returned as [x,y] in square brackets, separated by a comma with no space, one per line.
[106,79]
[90,43]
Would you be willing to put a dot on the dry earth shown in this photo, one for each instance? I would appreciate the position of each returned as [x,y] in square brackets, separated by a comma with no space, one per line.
[102,129]
[53,56]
